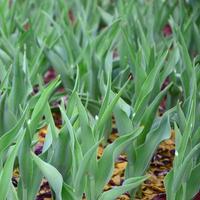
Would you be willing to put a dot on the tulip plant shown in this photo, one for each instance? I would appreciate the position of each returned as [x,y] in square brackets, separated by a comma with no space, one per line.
[134,61]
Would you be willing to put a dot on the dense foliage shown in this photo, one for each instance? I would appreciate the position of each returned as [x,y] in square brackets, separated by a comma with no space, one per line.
[136,60]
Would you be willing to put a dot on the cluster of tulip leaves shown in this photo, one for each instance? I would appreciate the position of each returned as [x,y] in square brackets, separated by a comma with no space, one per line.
[112,59]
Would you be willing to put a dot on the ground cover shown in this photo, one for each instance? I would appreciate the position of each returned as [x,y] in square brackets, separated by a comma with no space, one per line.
[99,100]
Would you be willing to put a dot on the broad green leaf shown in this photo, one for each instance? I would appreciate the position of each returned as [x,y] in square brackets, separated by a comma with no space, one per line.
[52,134]
[148,84]
[51,174]
[146,151]
[86,131]
[122,118]
[25,163]
[40,105]
[168,182]
[5,78]
[108,112]
[84,169]
[7,117]
[180,173]
[4,56]
[105,16]
[20,80]
[7,171]
[61,68]
[128,185]
[178,137]
[106,99]
[68,192]
[62,158]
[150,113]
[193,183]
[196,137]
[12,194]
[10,136]
[181,118]
[106,162]
[105,39]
